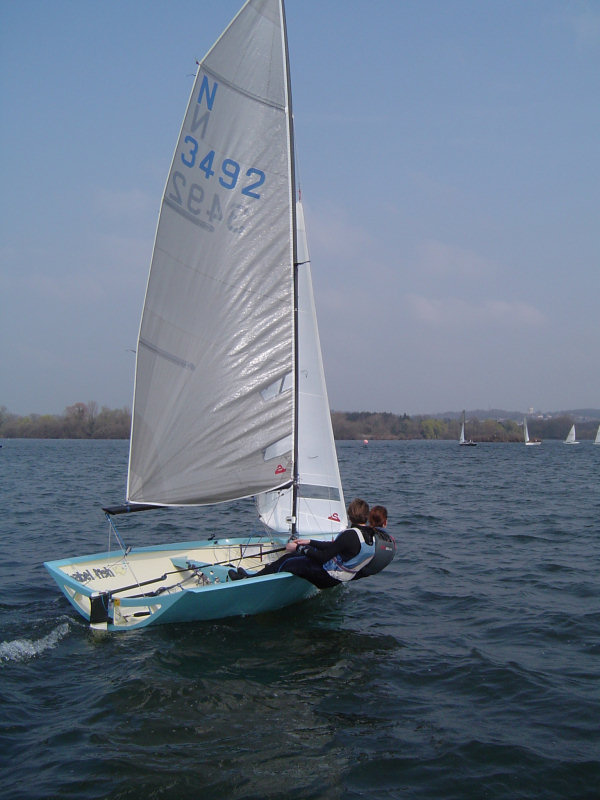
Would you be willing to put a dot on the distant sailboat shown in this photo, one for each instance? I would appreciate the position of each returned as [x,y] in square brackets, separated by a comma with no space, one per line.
[571,436]
[526,438]
[461,439]
[597,439]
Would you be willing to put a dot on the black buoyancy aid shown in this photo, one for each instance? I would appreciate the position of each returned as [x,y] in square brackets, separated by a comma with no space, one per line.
[385,550]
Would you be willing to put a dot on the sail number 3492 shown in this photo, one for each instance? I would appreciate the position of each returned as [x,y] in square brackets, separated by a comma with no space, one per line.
[228,170]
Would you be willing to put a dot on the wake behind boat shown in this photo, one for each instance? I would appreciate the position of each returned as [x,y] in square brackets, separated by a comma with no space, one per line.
[230,398]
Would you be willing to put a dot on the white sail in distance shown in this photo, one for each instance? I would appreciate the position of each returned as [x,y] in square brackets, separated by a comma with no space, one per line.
[571,436]
[527,440]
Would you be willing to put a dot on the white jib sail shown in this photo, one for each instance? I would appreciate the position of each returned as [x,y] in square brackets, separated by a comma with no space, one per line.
[213,408]
[320,507]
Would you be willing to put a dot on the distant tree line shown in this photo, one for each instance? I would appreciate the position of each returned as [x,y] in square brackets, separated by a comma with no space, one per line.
[384,425]
[85,421]
[79,421]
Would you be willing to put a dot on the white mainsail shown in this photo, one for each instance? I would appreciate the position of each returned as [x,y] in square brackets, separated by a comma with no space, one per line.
[597,439]
[526,438]
[461,438]
[571,436]
[320,504]
[213,415]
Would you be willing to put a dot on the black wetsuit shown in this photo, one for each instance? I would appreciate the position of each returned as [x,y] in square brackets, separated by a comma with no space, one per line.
[308,562]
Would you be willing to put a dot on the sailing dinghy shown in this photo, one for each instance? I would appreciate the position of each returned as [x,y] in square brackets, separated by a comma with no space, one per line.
[230,398]
[571,436]
[461,439]
[526,438]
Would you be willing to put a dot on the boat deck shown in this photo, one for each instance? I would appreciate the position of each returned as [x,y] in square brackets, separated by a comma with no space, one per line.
[127,589]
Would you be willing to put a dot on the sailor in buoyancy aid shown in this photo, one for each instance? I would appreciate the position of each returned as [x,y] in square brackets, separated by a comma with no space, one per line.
[354,553]
[385,545]
[347,570]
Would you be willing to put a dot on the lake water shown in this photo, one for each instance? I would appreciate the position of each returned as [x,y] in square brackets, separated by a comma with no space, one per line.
[470,668]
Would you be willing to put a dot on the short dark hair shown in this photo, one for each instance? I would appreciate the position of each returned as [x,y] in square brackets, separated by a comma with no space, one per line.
[358,511]
[378,516]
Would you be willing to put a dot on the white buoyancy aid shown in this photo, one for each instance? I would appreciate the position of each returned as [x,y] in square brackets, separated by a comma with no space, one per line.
[346,570]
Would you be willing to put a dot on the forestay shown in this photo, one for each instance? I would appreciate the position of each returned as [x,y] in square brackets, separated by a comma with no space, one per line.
[213,415]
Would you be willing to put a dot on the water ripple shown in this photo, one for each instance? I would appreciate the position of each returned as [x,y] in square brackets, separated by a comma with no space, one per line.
[468,669]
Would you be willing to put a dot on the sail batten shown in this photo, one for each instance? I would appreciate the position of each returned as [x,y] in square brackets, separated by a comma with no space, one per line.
[236,88]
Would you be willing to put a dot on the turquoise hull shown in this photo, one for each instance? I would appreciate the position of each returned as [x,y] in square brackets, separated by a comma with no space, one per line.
[176,583]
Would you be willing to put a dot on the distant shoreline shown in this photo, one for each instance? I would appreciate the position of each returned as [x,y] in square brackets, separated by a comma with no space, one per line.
[86,421]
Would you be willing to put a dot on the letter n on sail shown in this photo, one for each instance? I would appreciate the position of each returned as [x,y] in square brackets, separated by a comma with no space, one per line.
[208,93]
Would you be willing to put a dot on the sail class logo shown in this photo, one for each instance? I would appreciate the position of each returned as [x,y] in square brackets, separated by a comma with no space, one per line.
[335,517]
[280,469]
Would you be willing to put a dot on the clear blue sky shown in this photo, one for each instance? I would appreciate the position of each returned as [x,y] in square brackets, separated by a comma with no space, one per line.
[449,156]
